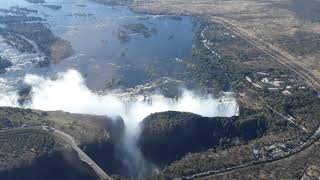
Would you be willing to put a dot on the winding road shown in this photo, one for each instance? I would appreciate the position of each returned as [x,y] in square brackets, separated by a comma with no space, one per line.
[70,141]
[314,138]
[82,155]
[276,54]
[290,63]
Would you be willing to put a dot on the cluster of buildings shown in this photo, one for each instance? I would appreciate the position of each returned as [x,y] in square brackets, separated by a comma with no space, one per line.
[282,83]
[271,151]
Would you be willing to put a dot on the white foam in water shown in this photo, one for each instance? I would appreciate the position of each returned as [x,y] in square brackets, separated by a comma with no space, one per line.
[9,99]
[20,61]
[68,92]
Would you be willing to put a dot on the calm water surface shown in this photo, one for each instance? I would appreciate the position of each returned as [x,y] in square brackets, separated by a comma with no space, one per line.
[100,55]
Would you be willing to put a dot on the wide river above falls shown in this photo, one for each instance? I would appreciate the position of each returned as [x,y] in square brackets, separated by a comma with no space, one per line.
[114,47]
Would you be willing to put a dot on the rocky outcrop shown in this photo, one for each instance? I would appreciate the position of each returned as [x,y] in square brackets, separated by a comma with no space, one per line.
[4,64]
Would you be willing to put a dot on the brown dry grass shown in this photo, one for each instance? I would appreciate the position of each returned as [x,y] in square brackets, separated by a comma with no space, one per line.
[268,20]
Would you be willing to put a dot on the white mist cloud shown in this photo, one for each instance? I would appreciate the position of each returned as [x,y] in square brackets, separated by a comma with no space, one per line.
[68,92]
[9,99]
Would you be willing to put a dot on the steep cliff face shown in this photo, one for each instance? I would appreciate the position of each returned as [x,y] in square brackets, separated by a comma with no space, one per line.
[63,165]
[170,135]
[27,151]
[106,153]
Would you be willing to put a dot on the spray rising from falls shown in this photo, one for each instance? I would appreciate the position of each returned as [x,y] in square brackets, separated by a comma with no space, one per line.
[68,92]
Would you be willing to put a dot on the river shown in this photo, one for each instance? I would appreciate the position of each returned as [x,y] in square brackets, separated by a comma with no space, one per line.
[100,55]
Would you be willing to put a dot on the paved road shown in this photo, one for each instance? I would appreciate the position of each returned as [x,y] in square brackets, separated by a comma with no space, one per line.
[83,156]
[277,55]
[314,138]
[70,140]
[291,64]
